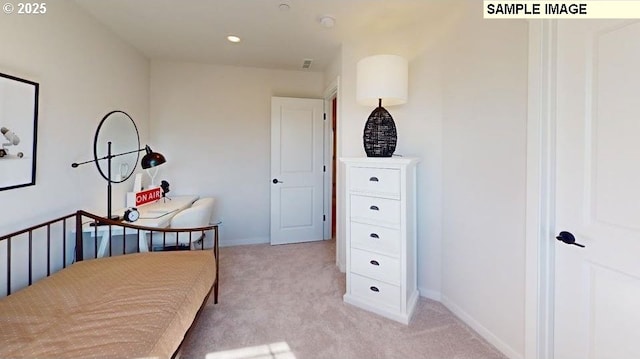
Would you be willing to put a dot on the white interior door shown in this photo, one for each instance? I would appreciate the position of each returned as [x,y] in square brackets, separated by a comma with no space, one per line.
[296,170]
[597,288]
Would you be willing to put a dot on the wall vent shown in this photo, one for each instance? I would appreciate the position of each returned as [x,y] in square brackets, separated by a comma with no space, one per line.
[307,63]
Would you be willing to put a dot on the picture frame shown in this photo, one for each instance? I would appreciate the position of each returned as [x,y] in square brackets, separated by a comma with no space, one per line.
[18,131]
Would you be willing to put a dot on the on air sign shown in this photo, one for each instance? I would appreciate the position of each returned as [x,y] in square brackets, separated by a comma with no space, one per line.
[147,196]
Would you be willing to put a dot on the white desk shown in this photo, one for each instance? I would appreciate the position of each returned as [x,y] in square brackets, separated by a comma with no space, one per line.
[157,214]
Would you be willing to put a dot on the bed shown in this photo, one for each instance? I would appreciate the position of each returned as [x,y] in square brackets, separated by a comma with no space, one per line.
[138,305]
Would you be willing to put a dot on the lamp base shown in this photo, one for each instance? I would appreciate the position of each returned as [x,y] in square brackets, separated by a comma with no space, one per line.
[380,135]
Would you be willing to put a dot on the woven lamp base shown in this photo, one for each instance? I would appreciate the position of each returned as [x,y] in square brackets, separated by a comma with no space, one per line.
[380,134]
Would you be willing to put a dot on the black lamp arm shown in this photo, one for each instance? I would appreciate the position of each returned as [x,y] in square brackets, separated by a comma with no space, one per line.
[76,164]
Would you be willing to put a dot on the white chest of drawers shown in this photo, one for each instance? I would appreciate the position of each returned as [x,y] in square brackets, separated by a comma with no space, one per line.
[381,235]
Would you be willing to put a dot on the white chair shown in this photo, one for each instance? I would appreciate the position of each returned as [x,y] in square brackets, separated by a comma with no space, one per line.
[198,215]
[209,202]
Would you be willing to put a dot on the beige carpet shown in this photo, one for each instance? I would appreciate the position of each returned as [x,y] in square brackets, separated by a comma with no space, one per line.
[286,302]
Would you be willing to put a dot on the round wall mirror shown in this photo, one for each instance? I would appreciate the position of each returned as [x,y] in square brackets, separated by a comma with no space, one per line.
[118,128]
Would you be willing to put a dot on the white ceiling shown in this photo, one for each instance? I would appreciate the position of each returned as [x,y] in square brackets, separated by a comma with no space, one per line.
[196,30]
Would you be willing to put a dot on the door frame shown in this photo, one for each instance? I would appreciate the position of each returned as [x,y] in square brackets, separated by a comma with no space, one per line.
[540,203]
[329,94]
[333,91]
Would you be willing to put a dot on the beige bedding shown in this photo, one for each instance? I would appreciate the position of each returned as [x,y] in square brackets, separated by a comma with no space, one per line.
[133,306]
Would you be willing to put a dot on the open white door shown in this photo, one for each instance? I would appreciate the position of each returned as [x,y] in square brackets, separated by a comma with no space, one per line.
[597,288]
[296,170]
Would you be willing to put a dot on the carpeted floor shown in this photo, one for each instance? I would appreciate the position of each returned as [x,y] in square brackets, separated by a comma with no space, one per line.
[286,302]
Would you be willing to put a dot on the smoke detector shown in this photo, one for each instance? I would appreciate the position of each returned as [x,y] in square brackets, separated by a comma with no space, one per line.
[284,7]
[327,21]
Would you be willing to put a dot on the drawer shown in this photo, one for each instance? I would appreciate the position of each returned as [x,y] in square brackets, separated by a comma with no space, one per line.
[374,291]
[376,210]
[376,266]
[375,180]
[373,238]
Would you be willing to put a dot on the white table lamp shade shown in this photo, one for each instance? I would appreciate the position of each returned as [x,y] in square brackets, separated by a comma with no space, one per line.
[383,77]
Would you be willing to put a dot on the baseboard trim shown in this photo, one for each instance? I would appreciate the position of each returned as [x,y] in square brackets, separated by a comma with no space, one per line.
[430,294]
[480,329]
[243,241]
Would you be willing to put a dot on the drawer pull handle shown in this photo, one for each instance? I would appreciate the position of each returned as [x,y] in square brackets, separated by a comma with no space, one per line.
[373,179]
[374,289]
[373,235]
[374,262]
[374,208]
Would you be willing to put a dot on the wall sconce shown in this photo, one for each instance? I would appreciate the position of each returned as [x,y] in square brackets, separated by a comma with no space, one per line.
[381,78]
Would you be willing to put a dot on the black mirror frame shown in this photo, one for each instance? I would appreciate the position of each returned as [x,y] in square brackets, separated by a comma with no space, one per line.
[36,88]
[95,147]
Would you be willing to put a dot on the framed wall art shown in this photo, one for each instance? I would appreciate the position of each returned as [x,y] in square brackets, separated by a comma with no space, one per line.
[18,132]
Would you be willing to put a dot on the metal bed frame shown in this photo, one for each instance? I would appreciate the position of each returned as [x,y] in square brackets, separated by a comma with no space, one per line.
[66,246]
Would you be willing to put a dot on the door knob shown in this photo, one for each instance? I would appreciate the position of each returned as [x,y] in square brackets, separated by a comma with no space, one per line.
[275,181]
[568,238]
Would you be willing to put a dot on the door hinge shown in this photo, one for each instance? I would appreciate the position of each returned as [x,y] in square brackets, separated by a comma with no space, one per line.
[324,218]
[324,116]
[324,168]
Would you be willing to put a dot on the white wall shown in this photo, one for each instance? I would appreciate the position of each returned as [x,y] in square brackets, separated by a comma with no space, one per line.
[84,71]
[484,171]
[213,124]
[423,124]
[333,70]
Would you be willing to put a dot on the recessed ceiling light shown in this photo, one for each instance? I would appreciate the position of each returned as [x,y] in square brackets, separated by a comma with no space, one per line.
[233,38]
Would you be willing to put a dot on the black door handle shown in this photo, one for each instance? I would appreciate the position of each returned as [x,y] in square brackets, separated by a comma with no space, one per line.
[275,181]
[568,238]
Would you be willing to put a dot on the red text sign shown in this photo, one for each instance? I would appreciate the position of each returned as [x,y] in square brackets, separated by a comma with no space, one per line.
[147,196]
